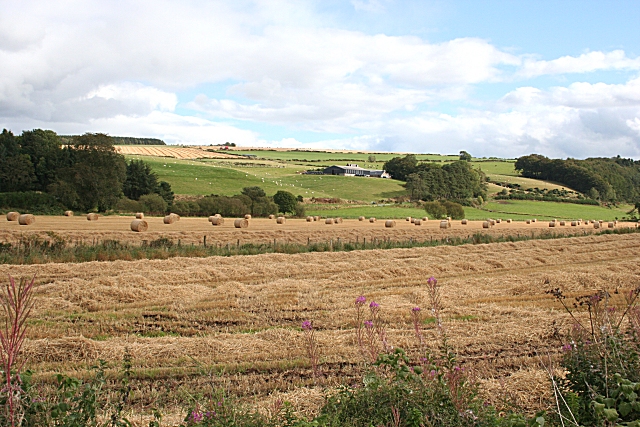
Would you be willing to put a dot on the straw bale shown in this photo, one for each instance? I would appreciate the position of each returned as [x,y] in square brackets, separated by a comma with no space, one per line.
[281,220]
[13,216]
[448,218]
[534,220]
[68,213]
[389,223]
[417,221]
[509,221]
[175,216]
[26,219]
[409,218]
[272,217]
[211,218]
[528,221]
[574,223]
[425,219]
[247,216]
[92,217]
[562,223]
[445,224]
[316,218]
[139,215]
[139,225]
[338,220]
[169,219]
[309,219]
[241,223]
[464,222]
[552,223]
[328,221]
[499,220]
[486,224]
[611,225]
[361,218]
[372,219]
[493,222]
[217,220]
[596,225]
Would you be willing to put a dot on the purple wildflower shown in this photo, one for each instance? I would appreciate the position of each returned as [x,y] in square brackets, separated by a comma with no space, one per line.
[567,347]
[306,325]
[415,309]
[432,280]
[196,416]
[368,324]
[374,304]
[361,300]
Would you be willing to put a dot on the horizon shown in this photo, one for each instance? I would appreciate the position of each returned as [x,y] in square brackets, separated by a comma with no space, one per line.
[496,79]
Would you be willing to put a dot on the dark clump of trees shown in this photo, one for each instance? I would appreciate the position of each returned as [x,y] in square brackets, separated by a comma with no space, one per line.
[608,180]
[41,172]
[121,140]
[438,210]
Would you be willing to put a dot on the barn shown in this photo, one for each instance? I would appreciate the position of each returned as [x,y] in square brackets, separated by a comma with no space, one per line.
[354,170]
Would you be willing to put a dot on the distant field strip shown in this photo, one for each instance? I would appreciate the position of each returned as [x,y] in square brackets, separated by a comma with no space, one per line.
[169,151]
[239,317]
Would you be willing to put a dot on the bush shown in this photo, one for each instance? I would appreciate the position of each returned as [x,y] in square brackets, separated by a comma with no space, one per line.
[435,209]
[127,205]
[32,202]
[300,210]
[153,203]
[454,210]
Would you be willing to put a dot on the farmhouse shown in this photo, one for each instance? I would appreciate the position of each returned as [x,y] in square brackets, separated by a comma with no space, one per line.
[354,170]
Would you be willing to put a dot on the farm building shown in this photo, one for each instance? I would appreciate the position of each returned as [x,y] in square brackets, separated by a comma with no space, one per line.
[354,170]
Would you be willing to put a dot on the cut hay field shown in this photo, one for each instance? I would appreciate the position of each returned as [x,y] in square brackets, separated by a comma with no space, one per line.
[170,151]
[234,322]
[263,231]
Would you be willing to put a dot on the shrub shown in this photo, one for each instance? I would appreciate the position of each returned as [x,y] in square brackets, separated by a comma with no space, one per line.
[127,205]
[454,210]
[153,203]
[32,202]
[435,209]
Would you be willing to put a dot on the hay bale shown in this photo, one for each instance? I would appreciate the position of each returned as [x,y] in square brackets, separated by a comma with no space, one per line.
[92,217]
[611,225]
[528,221]
[562,223]
[68,213]
[316,218]
[445,224]
[309,219]
[486,224]
[247,216]
[417,221]
[372,220]
[216,220]
[464,222]
[509,221]
[338,220]
[389,223]
[13,216]
[281,220]
[552,223]
[596,225]
[169,219]
[211,218]
[409,218]
[139,225]
[241,223]
[175,216]
[493,222]
[534,220]
[361,218]
[498,221]
[139,215]
[425,219]
[26,219]
[328,221]
[574,223]
[272,217]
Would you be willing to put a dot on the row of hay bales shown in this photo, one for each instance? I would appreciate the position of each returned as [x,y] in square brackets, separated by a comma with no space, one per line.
[22,219]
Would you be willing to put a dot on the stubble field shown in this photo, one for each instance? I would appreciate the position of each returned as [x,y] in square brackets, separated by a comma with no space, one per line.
[234,322]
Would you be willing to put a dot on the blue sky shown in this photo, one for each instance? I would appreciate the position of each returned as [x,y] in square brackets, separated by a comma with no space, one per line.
[495,78]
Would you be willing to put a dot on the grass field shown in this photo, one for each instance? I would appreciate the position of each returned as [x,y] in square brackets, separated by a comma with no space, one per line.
[234,323]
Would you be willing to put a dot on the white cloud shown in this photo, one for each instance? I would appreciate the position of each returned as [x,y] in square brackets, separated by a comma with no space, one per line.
[587,62]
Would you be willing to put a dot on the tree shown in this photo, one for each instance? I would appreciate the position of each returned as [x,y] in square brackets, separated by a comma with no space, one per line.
[164,190]
[153,203]
[464,156]
[371,158]
[286,201]
[140,180]
[256,194]
[401,167]
[44,150]
[435,209]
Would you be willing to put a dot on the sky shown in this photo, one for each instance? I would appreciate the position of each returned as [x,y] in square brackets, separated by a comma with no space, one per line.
[494,78]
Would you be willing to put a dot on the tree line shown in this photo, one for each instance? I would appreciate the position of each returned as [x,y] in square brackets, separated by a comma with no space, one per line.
[456,181]
[609,180]
[122,140]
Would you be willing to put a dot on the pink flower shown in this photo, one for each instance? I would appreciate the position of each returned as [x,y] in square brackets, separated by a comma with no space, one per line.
[374,304]
[361,300]
[432,280]
[415,309]
[306,325]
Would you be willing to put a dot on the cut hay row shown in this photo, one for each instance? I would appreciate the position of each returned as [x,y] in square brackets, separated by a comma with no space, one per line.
[493,296]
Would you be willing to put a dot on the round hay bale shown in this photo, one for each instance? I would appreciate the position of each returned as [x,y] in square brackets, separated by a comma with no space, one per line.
[217,220]
[139,225]
[486,224]
[425,219]
[509,221]
[445,224]
[316,218]
[361,218]
[241,223]
[372,220]
[328,221]
[562,223]
[175,216]
[600,221]
[611,225]
[139,215]
[409,218]
[68,213]
[281,220]
[580,220]
[92,217]
[169,219]
[247,216]
[26,219]
[448,218]
[498,221]
[309,219]
[534,220]
[218,216]
[596,225]
[211,218]
[13,216]
[464,222]
[417,221]
[574,223]
[552,223]
[272,217]
[389,223]
[337,220]
[528,221]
